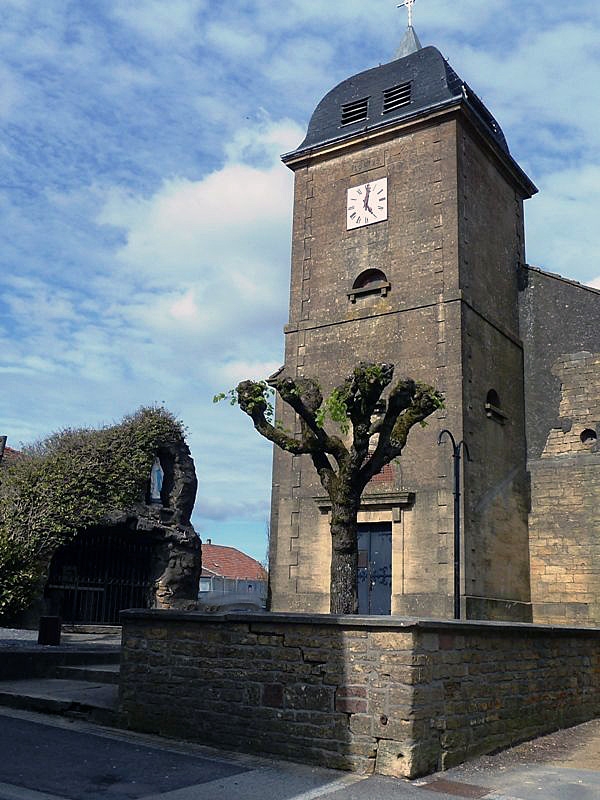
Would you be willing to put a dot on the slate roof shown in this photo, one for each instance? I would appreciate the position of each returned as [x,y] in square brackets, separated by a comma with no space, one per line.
[227,562]
[409,44]
[409,88]
[434,84]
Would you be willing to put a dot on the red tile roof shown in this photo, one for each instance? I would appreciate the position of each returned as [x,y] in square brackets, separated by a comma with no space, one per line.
[228,562]
[10,456]
[385,475]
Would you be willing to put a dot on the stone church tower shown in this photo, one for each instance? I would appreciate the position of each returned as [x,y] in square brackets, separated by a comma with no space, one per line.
[408,247]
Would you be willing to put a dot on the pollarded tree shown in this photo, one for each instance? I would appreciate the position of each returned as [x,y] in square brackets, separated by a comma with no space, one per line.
[344,470]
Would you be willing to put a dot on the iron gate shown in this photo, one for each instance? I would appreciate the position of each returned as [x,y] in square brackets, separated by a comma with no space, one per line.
[100,573]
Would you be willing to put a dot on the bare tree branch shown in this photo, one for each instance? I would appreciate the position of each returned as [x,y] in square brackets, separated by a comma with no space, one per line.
[362,391]
[305,397]
[252,401]
[409,403]
[352,402]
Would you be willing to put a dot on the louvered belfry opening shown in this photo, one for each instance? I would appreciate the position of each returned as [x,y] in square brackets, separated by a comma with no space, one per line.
[397,96]
[356,111]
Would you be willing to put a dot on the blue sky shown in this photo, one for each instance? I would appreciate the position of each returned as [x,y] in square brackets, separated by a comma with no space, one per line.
[146,216]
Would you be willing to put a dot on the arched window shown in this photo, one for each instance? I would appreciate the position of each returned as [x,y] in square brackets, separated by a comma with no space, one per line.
[493,398]
[588,436]
[493,409]
[371,281]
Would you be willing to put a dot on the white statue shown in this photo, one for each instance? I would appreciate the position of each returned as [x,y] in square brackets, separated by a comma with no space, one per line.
[156,481]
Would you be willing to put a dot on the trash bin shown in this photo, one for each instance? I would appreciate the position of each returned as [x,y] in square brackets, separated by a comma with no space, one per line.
[49,630]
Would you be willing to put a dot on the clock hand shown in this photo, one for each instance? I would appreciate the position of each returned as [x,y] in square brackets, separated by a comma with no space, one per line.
[366,200]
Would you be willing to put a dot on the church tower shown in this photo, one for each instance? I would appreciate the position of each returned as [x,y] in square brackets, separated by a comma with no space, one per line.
[407,247]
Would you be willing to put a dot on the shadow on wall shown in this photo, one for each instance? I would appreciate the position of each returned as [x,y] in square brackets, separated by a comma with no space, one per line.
[395,696]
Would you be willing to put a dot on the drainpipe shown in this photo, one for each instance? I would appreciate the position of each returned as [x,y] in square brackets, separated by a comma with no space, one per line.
[456,448]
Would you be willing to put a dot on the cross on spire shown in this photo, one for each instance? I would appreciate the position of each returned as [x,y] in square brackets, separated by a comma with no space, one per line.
[409,5]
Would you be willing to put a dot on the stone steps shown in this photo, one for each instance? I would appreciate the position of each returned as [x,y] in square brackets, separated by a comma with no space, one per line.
[77,679]
[92,673]
[81,699]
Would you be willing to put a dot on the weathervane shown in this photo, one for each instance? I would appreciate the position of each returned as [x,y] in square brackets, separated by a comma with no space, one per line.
[409,5]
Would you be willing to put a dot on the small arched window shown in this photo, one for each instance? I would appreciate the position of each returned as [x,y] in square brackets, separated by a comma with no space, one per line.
[493,398]
[493,409]
[589,436]
[371,281]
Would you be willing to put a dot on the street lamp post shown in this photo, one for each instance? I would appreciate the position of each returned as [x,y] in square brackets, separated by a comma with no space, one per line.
[456,448]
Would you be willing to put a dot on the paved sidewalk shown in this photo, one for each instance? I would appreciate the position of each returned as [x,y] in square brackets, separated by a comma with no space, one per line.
[564,765]
[48,758]
[59,696]
[21,638]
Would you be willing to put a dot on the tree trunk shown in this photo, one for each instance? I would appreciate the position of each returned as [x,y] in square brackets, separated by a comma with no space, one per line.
[344,558]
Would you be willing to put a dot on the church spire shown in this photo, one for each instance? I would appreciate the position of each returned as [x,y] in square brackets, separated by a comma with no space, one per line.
[410,43]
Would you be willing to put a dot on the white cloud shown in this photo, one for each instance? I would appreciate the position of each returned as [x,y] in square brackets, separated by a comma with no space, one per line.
[210,258]
[562,231]
[171,229]
[529,76]
[235,371]
[216,228]
[186,307]
[235,42]
[197,293]
[158,20]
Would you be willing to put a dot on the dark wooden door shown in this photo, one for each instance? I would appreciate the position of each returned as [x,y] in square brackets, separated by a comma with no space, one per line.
[375,568]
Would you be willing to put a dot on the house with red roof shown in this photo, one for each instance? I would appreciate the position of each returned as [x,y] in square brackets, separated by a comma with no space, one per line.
[8,456]
[230,578]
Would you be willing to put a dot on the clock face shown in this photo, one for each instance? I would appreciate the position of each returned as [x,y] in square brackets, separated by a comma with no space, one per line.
[366,204]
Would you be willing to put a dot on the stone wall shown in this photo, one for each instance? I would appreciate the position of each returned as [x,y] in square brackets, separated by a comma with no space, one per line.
[557,317]
[564,523]
[400,697]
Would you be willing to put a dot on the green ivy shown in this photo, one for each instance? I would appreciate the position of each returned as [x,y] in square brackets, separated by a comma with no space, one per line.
[70,481]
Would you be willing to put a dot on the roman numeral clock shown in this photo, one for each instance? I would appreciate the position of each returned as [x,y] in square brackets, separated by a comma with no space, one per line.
[366,204]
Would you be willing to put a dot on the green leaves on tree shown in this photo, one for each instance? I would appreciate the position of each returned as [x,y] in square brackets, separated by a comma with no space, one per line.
[335,407]
[259,395]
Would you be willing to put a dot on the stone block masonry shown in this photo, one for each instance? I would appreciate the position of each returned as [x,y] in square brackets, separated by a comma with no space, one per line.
[396,696]
[564,524]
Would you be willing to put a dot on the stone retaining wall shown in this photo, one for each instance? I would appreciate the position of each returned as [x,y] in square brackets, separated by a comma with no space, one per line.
[400,697]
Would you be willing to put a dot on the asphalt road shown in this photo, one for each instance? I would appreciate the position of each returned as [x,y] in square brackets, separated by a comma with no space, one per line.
[49,758]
